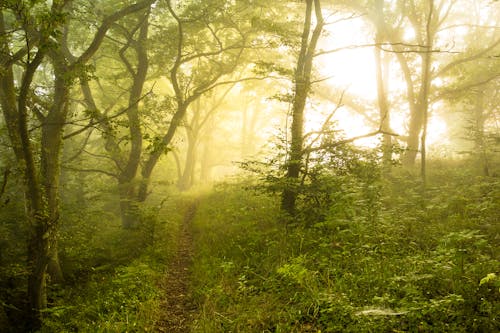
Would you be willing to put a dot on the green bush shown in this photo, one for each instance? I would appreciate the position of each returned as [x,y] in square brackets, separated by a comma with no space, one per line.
[124,300]
[418,261]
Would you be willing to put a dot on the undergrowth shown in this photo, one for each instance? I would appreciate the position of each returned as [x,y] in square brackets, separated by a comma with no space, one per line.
[417,263]
[113,275]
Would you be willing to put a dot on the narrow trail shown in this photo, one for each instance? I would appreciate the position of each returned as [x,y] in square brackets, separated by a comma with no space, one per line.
[176,309]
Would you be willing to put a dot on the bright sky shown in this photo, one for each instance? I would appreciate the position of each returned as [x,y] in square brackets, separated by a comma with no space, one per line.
[354,70]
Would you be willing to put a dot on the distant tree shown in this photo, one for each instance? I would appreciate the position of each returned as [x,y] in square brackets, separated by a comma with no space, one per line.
[201,114]
[131,48]
[382,62]
[427,19]
[208,48]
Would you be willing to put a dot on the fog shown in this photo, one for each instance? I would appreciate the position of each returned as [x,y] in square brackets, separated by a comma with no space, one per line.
[186,165]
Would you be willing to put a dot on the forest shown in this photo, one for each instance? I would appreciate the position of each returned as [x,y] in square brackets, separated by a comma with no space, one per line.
[249,166]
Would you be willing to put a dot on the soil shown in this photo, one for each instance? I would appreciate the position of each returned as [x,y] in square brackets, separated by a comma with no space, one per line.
[176,308]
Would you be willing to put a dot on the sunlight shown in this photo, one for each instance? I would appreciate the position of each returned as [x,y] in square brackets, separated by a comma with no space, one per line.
[353,69]
[437,131]
[349,69]
[347,123]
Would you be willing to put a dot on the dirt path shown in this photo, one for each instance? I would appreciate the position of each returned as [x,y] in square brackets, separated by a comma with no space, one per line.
[177,310]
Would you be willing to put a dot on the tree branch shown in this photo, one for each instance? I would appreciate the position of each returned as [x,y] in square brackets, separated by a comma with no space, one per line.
[345,141]
[106,24]
[104,172]
[420,48]
[466,59]
[93,122]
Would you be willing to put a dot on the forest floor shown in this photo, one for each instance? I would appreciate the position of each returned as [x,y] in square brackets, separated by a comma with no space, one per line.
[176,308]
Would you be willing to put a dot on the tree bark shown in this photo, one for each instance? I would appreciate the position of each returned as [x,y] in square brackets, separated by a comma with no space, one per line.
[424,90]
[479,139]
[41,178]
[302,87]
[381,67]
[51,143]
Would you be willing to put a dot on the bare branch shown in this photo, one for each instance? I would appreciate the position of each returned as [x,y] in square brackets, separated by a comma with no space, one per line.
[93,122]
[256,78]
[467,87]
[467,59]
[326,122]
[104,172]
[346,141]
[80,150]
[418,48]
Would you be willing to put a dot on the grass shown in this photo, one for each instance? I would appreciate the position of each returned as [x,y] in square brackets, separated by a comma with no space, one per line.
[411,262]
[417,267]
[114,274]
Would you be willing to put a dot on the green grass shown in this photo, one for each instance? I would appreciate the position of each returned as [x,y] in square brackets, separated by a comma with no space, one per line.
[417,267]
[114,274]
[412,262]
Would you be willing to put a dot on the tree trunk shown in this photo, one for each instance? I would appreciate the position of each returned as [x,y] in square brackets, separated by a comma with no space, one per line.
[479,140]
[13,103]
[419,104]
[38,257]
[154,157]
[52,130]
[54,268]
[192,132]
[424,90]
[382,66]
[206,161]
[186,181]
[128,205]
[302,87]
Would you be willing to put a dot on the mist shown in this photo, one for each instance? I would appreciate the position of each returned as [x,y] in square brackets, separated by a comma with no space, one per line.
[249,166]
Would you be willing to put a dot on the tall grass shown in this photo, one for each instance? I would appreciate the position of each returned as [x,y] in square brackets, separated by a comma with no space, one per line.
[421,265]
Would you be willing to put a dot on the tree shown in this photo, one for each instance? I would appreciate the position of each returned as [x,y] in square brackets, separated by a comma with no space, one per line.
[197,68]
[427,20]
[32,39]
[382,66]
[126,160]
[194,127]
[302,82]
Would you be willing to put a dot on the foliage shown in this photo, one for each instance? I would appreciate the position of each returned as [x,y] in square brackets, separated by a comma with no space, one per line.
[124,299]
[112,274]
[421,263]
[368,249]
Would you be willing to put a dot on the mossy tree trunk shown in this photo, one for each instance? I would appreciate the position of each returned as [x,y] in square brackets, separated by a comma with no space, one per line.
[38,152]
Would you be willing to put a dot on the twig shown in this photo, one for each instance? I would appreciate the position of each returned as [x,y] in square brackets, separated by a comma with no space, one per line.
[94,122]
[343,142]
[104,172]
[6,174]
